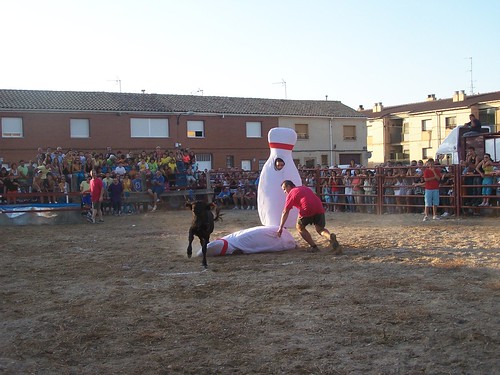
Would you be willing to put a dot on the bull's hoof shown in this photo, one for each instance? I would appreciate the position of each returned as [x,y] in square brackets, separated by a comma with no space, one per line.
[189,255]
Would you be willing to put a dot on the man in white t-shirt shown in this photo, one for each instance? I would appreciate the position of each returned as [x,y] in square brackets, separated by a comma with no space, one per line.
[120,170]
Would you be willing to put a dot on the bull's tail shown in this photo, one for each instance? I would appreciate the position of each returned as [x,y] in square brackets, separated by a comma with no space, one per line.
[218,215]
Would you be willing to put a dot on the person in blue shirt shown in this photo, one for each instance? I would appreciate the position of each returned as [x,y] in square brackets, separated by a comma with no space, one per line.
[157,187]
[224,197]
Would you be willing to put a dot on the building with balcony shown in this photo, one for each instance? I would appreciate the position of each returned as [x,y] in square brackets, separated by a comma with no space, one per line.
[414,131]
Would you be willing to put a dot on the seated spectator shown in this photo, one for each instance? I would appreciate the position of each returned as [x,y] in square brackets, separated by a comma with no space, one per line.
[23,173]
[137,184]
[239,198]
[37,187]
[250,199]
[224,197]
[10,188]
[120,169]
[157,188]
[85,192]
[190,178]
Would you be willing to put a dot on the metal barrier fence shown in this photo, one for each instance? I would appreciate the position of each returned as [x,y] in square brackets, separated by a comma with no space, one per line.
[388,190]
[381,190]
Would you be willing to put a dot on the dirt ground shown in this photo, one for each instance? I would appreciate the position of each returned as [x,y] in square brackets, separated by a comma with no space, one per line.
[121,297]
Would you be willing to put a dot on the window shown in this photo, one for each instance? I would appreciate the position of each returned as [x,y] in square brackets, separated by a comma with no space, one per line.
[254,129]
[195,129]
[487,116]
[310,162]
[451,122]
[246,165]
[324,159]
[302,131]
[204,161]
[261,164]
[79,128]
[426,125]
[349,133]
[426,153]
[12,127]
[229,161]
[149,128]
[406,128]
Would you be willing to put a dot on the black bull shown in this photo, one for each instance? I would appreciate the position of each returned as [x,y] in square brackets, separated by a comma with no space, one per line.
[202,225]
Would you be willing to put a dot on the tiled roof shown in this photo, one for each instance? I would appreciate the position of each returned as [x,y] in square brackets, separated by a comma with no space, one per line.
[21,100]
[434,105]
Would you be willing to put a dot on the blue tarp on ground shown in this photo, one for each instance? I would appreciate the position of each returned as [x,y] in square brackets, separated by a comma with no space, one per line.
[36,214]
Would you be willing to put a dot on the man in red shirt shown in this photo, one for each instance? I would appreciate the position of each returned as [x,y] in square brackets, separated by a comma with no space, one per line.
[432,176]
[311,211]
[96,194]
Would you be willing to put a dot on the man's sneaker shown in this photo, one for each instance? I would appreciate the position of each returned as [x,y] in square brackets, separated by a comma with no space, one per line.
[436,218]
[445,214]
[425,218]
[312,249]
[335,244]
[154,208]
[90,219]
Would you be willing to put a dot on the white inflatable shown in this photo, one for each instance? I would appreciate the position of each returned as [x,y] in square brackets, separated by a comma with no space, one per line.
[270,195]
[252,240]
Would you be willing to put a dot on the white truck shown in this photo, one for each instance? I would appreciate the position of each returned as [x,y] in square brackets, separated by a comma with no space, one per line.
[454,146]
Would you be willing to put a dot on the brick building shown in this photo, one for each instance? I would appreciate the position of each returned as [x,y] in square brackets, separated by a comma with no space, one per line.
[223,131]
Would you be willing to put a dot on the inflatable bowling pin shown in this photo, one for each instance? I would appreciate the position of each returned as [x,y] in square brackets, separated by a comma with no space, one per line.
[250,241]
[270,195]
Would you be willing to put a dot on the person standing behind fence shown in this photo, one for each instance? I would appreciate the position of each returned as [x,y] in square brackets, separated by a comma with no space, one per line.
[357,188]
[369,190]
[348,192]
[336,189]
[432,177]
[485,169]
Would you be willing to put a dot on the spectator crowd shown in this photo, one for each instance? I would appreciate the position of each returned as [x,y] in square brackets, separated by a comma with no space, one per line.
[58,174]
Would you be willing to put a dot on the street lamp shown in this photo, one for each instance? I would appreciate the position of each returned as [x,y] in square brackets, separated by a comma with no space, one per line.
[189,113]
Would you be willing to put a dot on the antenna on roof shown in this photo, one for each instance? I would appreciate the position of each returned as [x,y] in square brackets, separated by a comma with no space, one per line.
[282,83]
[471,80]
[197,92]
[118,81]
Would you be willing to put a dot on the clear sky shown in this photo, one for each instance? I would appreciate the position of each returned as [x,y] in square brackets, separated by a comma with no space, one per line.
[355,51]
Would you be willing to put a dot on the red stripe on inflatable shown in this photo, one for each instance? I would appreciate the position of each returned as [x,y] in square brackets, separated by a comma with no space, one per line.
[283,146]
[224,247]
